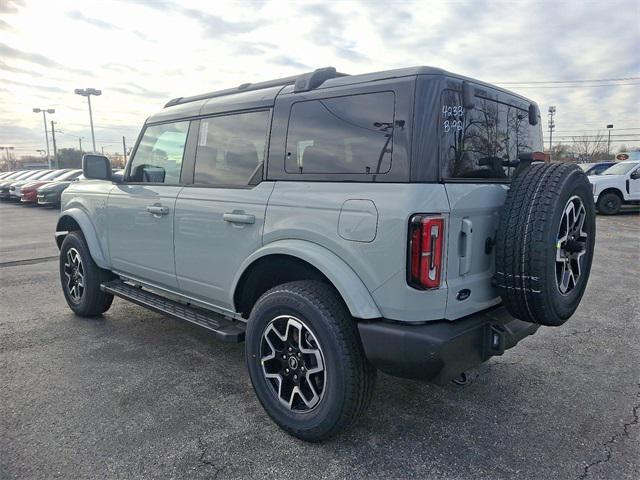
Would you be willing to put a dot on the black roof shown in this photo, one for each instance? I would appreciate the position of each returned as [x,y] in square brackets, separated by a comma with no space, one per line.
[251,95]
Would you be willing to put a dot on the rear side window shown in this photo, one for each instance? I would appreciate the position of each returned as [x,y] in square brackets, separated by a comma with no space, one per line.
[342,135]
[231,148]
[158,158]
[477,143]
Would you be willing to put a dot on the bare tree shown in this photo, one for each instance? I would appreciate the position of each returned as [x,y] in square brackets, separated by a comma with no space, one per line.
[590,148]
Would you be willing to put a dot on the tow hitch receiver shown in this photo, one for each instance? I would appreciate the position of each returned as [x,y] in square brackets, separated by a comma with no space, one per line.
[494,343]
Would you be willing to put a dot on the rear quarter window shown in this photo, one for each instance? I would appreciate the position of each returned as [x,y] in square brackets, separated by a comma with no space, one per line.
[478,143]
[341,135]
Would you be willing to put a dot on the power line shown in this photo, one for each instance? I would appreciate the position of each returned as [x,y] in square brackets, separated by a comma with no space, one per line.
[596,130]
[580,86]
[571,81]
[603,140]
[603,135]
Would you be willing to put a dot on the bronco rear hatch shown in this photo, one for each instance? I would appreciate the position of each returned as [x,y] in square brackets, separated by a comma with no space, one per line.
[483,133]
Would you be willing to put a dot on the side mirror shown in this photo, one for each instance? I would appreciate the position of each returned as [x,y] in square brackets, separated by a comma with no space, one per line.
[96,167]
[635,175]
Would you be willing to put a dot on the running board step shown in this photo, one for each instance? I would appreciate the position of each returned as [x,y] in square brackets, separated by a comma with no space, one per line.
[223,328]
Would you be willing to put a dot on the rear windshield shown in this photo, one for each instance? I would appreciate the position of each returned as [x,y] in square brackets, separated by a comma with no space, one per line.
[478,143]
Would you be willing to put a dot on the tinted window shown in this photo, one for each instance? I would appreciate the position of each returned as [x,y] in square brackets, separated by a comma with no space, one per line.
[479,142]
[158,158]
[230,148]
[341,135]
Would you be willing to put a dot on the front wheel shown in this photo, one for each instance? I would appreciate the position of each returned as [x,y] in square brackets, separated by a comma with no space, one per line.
[306,361]
[81,278]
[609,204]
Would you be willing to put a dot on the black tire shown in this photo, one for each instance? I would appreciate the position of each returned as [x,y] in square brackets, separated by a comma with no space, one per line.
[530,263]
[90,301]
[349,378]
[609,203]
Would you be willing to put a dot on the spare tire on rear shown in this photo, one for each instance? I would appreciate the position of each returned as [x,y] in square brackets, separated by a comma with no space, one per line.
[545,243]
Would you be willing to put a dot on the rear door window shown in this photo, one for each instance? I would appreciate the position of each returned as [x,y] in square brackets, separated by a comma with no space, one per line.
[158,158]
[341,135]
[479,143]
[231,149]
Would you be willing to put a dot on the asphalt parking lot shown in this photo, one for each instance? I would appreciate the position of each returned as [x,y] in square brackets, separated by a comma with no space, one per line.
[137,395]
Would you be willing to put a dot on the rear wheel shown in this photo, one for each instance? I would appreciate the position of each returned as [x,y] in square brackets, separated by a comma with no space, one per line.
[609,203]
[81,278]
[306,361]
[545,243]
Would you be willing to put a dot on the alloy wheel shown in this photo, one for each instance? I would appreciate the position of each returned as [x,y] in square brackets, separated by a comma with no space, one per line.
[74,272]
[293,363]
[571,245]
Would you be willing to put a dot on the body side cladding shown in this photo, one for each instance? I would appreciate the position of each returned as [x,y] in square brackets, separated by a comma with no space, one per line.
[88,231]
[344,279]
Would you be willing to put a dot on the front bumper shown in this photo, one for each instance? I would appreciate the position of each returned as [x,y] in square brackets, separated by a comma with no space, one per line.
[440,351]
[29,197]
[48,199]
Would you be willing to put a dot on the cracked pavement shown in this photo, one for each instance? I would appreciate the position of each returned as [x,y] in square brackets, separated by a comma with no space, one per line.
[136,395]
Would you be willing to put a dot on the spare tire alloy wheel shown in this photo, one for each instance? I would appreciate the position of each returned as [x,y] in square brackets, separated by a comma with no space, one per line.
[293,363]
[74,273]
[571,245]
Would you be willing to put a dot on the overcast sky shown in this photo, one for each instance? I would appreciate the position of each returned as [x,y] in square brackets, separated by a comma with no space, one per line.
[142,53]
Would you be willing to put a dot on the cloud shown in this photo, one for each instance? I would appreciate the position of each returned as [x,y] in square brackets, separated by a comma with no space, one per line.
[215,26]
[289,62]
[11,6]
[8,52]
[330,29]
[9,68]
[76,15]
[46,88]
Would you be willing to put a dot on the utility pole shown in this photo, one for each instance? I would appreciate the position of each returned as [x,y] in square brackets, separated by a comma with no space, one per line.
[124,149]
[80,142]
[609,127]
[552,126]
[53,137]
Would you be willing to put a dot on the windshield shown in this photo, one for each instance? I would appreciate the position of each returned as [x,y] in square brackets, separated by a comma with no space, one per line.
[620,168]
[586,166]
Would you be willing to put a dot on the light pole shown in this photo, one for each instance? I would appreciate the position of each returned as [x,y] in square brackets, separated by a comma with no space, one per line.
[46,133]
[87,92]
[552,112]
[609,127]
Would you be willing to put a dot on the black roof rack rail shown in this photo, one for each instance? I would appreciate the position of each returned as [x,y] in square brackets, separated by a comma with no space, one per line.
[302,83]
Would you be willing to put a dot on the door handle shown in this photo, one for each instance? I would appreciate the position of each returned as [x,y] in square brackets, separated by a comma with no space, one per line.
[236,217]
[157,210]
[466,244]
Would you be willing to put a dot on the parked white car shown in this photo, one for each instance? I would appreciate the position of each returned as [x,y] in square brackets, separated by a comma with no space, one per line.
[616,186]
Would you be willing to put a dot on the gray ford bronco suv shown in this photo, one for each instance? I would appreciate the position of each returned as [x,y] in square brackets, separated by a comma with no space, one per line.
[400,220]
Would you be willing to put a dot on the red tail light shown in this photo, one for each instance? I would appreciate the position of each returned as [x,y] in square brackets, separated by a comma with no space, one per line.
[426,240]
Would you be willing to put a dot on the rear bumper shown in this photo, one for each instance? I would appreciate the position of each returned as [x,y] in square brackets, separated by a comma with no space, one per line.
[440,351]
